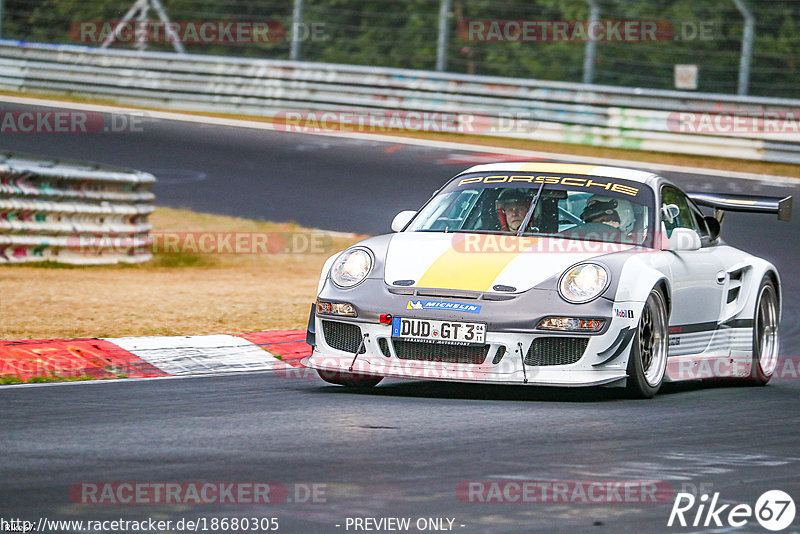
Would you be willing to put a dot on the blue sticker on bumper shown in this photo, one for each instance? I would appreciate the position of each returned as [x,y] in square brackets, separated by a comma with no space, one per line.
[443,305]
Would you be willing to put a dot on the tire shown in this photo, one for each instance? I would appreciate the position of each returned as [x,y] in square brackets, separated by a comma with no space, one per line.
[765,335]
[349,380]
[647,363]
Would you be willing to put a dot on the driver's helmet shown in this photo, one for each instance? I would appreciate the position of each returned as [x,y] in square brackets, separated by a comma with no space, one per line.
[511,196]
[615,209]
[514,196]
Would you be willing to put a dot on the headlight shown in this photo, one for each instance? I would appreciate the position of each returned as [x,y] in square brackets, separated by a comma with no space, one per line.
[583,283]
[351,268]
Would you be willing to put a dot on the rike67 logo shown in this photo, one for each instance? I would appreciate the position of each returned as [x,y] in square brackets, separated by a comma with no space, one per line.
[774,510]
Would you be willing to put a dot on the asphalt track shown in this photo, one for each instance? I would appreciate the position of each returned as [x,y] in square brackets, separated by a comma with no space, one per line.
[402,449]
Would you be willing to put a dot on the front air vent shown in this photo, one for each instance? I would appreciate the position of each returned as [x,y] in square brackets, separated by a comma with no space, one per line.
[501,351]
[401,291]
[449,293]
[498,296]
[342,336]
[556,350]
[733,294]
[453,293]
[429,352]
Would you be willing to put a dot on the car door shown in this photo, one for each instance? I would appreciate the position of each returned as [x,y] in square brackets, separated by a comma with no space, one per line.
[697,279]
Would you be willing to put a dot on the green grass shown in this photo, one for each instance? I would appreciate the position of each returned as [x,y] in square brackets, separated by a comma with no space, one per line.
[180,260]
[172,260]
[41,379]
[6,380]
[56,378]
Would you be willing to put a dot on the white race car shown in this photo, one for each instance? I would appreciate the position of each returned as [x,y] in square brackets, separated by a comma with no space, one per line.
[552,274]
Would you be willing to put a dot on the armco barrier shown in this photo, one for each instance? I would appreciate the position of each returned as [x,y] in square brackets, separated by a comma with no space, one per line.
[72,212]
[645,119]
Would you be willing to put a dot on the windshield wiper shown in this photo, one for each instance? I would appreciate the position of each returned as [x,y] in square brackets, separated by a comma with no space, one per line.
[428,230]
[479,232]
[529,215]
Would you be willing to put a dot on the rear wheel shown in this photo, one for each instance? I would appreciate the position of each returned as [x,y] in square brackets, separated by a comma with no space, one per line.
[765,334]
[350,380]
[647,363]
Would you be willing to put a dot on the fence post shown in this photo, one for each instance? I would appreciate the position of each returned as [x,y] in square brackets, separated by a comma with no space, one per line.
[591,46]
[162,15]
[441,47]
[297,20]
[747,47]
[140,10]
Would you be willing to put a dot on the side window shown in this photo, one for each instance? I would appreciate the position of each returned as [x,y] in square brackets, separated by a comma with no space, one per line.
[461,206]
[450,213]
[702,227]
[686,217]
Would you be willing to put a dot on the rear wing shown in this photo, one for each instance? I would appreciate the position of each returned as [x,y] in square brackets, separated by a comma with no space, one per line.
[782,207]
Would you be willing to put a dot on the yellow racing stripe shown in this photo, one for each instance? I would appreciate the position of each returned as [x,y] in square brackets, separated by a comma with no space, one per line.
[473,271]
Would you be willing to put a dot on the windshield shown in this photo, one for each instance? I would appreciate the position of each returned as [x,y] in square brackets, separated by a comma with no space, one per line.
[572,207]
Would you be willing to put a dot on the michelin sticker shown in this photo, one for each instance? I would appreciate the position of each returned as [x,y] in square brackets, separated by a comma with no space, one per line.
[441,305]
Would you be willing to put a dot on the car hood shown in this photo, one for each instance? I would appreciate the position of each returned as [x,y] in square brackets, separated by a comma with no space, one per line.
[478,262]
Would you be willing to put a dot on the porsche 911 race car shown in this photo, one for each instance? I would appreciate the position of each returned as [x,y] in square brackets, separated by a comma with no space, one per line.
[552,274]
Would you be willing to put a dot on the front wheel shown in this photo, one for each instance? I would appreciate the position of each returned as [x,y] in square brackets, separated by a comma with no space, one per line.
[647,363]
[765,335]
[350,380]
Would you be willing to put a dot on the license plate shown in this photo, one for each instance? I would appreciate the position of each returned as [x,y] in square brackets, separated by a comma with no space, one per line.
[445,332]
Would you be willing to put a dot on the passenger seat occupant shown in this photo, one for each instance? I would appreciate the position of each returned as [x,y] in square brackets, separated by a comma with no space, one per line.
[617,213]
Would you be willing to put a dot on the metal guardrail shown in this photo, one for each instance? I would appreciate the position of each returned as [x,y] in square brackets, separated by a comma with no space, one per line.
[553,111]
[73,213]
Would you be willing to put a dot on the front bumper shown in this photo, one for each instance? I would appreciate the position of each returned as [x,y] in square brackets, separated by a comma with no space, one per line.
[510,326]
[603,361]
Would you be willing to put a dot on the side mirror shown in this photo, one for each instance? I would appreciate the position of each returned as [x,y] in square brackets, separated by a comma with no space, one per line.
[684,239]
[670,212]
[714,228]
[402,219]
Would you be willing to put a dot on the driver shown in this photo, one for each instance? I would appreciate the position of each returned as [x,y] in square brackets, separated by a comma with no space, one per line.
[512,206]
